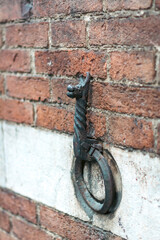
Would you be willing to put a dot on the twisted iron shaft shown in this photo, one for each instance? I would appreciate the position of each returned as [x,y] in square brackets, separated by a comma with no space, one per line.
[79,125]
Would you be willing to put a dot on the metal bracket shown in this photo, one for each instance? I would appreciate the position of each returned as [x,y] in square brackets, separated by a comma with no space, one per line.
[86,149]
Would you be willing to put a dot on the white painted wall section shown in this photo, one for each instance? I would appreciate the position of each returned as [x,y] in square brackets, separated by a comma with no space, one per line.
[37,163]
[2,158]
[138,216]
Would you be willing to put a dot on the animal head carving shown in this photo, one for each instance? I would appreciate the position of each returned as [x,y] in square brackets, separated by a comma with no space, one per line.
[81,89]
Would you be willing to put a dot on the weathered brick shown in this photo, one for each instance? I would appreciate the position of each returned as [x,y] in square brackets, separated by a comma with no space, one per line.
[49,8]
[59,90]
[5,236]
[132,100]
[71,63]
[66,227]
[117,5]
[16,111]
[158,139]
[14,60]
[131,132]
[4,221]
[54,118]
[18,205]
[25,231]
[1,84]
[134,66]
[28,87]
[128,31]
[10,10]
[157,4]
[96,124]
[69,34]
[27,35]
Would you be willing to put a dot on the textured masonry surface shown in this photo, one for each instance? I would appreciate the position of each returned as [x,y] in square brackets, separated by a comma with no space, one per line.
[44,46]
[37,164]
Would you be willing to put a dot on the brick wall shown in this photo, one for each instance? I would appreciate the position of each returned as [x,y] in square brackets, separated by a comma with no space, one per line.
[116,41]
[22,218]
[44,46]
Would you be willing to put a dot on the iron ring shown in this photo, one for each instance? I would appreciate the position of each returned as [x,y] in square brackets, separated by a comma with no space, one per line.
[97,205]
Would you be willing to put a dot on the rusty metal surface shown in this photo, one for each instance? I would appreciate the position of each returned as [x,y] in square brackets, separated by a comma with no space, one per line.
[86,149]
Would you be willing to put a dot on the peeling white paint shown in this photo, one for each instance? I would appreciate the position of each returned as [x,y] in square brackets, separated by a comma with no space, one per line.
[38,165]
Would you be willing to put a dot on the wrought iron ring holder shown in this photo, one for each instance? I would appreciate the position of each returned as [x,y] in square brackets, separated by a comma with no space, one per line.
[86,149]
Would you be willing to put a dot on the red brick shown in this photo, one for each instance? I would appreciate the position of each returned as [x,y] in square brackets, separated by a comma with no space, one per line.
[157,4]
[18,205]
[27,35]
[4,221]
[66,227]
[49,8]
[117,5]
[96,125]
[54,118]
[69,34]
[10,10]
[134,66]
[59,90]
[132,100]
[158,139]
[28,87]
[1,84]
[96,122]
[28,232]
[14,60]
[128,31]
[5,236]
[71,63]
[16,111]
[131,132]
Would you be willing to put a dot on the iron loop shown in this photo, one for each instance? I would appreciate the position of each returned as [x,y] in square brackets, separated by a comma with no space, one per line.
[98,206]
